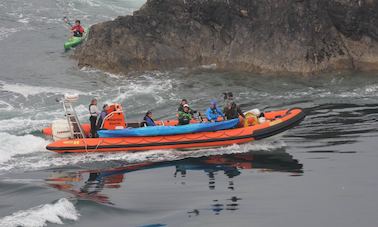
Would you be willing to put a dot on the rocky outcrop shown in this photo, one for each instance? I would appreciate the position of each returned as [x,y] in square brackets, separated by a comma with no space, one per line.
[302,36]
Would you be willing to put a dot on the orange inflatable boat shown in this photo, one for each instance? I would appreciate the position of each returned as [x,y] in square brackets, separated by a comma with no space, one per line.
[73,137]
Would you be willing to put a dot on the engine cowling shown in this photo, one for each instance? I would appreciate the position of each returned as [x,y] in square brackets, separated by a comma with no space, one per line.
[61,130]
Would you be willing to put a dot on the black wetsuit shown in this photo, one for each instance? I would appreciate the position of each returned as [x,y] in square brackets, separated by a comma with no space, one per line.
[233,112]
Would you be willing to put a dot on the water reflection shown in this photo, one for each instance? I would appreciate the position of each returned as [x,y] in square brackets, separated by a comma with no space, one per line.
[343,123]
[92,184]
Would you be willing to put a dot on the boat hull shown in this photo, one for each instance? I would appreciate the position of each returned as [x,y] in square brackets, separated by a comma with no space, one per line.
[281,121]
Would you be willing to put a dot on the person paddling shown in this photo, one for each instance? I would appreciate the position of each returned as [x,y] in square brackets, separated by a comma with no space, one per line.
[93,111]
[76,29]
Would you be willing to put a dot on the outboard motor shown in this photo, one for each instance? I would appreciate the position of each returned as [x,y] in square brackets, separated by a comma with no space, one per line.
[60,130]
[70,127]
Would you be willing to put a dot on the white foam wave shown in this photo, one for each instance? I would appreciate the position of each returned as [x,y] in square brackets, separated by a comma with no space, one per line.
[115,76]
[210,66]
[146,86]
[6,32]
[124,88]
[153,83]
[121,10]
[22,19]
[41,215]
[14,146]
[47,159]
[89,70]
[92,3]
[369,90]
[22,125]
[117,9]
[362,92]
[4,106]
[29,90]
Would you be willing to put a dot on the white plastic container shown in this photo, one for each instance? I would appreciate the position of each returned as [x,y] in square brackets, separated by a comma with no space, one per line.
[61,130]
[256,112]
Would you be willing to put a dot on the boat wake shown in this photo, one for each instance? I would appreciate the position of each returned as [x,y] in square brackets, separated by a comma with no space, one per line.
[35,157]
[14,146]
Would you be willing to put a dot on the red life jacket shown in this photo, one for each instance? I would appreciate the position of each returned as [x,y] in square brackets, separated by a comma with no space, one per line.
[78,28]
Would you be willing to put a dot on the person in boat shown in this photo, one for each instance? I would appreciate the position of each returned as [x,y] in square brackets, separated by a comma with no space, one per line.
[181,107]
[228,96]
[213,112]
[185,116]
[148,119]
[102,116]
[93,111]
[231,109]
[77,29]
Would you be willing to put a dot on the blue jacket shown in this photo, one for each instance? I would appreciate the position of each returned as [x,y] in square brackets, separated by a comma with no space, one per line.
[213,114]
[103,114]
[149,121]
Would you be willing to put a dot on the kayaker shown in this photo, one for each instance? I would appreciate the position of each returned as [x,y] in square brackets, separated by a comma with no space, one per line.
[77,29]
[185,116]
[93,111]
[213,112]
[148,119]
[102,116]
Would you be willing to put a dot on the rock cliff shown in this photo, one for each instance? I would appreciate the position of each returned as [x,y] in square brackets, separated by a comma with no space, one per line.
[301,36]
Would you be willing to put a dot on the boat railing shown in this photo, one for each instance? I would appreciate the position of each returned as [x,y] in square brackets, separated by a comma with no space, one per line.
[110,115]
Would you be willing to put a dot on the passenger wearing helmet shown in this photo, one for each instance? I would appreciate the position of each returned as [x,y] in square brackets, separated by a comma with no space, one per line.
[213,112]
[181,107]
[185,116]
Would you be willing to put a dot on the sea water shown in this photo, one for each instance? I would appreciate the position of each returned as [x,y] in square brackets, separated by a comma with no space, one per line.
[321,173]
